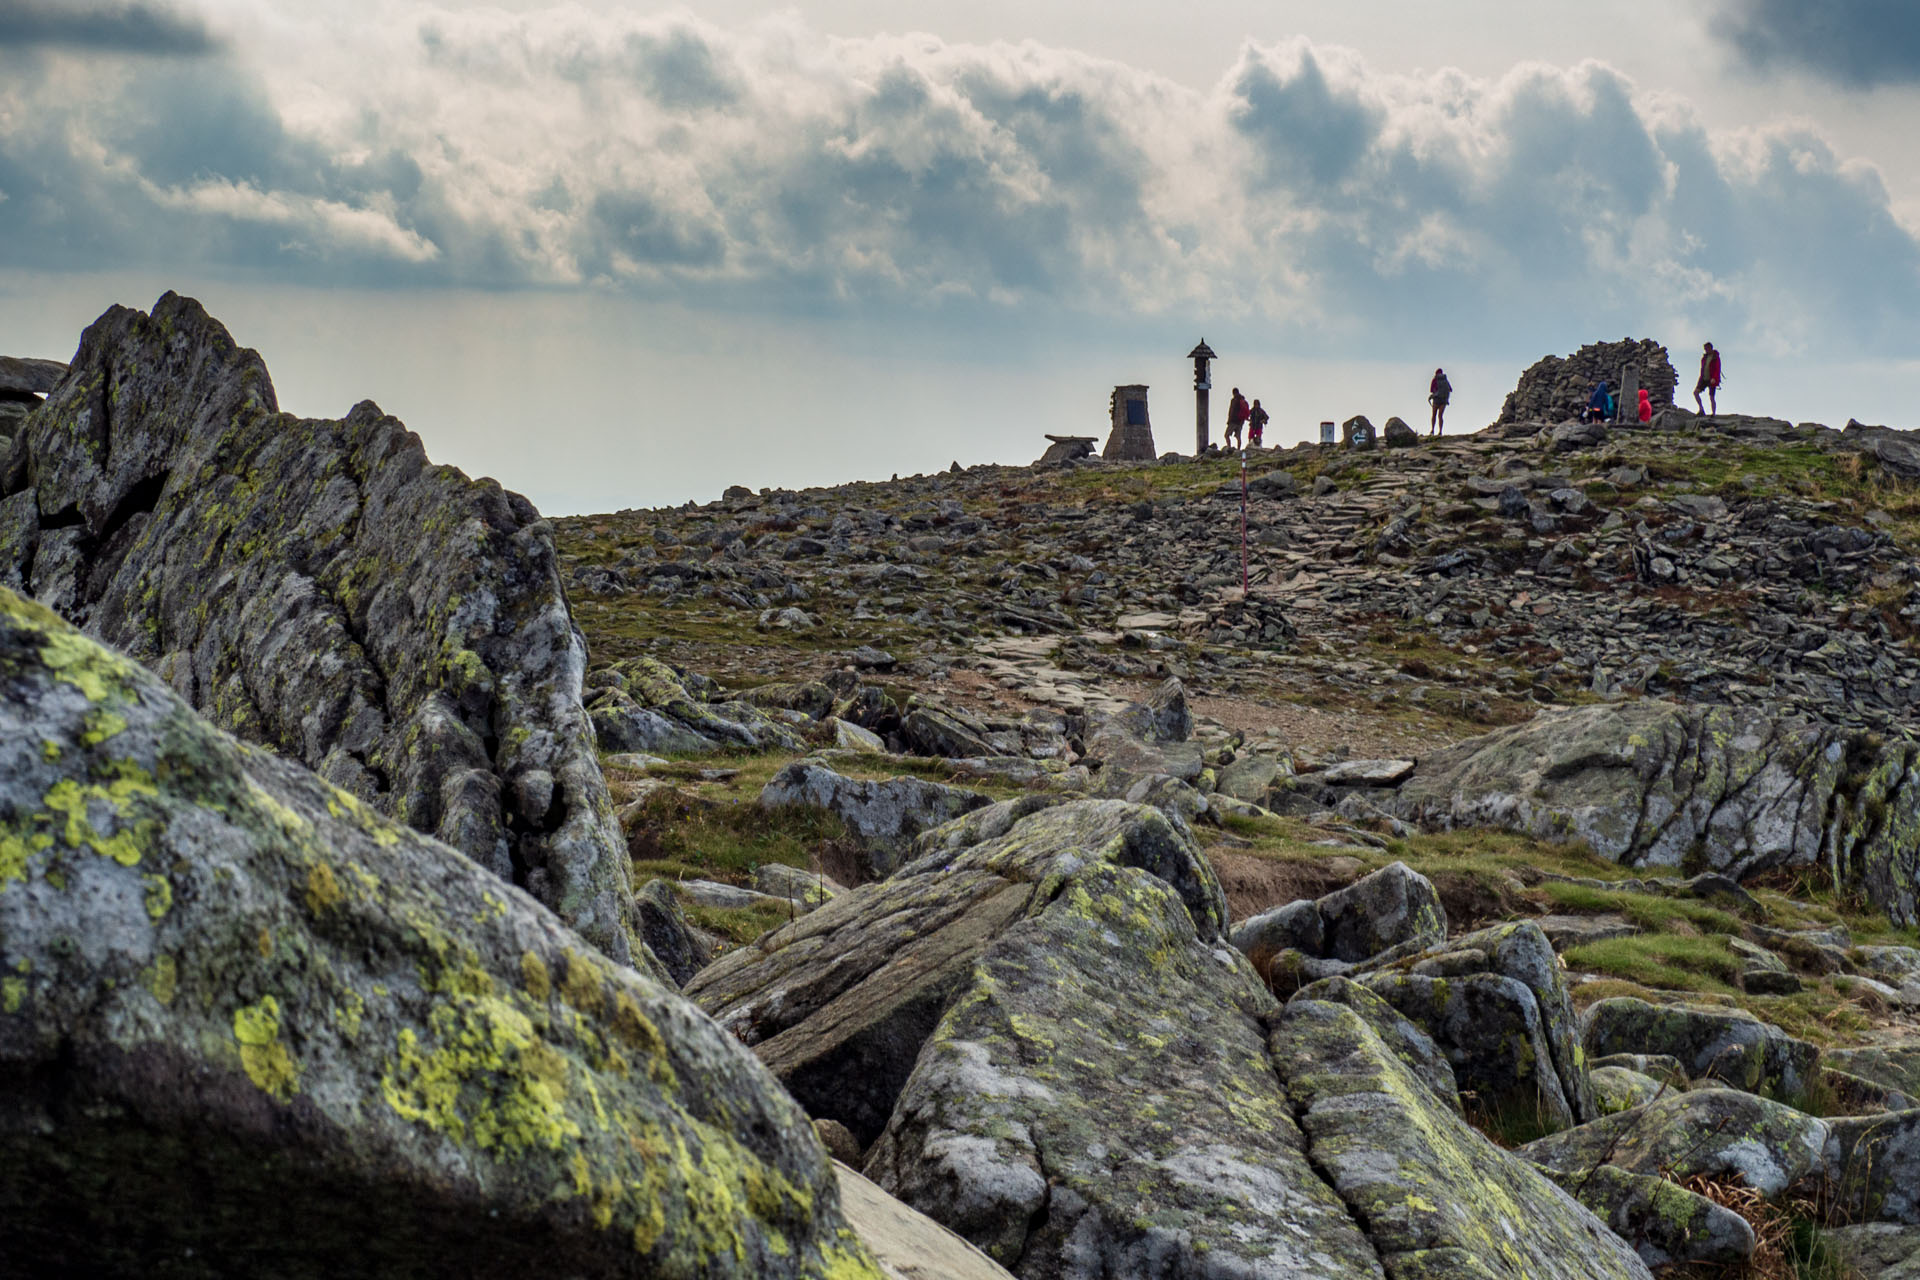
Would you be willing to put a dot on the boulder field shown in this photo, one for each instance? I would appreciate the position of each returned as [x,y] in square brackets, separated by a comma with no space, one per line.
[985,910]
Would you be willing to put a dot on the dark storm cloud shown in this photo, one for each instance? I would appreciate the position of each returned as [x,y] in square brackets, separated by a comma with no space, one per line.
[119,27]
[1854,43]
[773,169]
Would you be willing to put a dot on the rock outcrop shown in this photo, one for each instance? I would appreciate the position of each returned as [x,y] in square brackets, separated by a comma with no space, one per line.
[248,1025]
[1724,789]
[320,588]
[1555,388]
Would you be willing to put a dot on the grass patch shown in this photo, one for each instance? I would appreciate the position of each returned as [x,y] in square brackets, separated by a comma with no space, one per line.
[1663,961]
[740,925]
[681,836]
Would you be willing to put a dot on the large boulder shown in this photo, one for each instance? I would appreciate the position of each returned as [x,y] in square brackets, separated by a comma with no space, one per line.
[1666,1224]
[1496,1003]
[1390,912]
[320,588]
[839,1002]
[248,1025]
[1722,1134]
[885,816]
[1730,1046]
[1702,788]
[1437,1198]
[1023,1129]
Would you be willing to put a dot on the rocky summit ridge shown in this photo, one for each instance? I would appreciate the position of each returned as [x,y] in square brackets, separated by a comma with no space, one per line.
[1518,880]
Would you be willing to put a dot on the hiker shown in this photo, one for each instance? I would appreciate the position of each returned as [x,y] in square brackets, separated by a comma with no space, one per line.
[1256,424]
[1646,407]
[1236,417]
[1599,404]
[1439,391]
[1709,379]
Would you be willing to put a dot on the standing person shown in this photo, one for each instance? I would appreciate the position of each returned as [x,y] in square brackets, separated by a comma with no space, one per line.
[1236,416]
[1709,379]
[1645,407]
[1439,391]
[1256,424]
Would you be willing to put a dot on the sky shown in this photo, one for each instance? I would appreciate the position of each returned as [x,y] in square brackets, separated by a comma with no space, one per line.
[619,255]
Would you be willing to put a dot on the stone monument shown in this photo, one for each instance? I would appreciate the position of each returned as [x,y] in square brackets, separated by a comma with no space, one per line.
[1132,437]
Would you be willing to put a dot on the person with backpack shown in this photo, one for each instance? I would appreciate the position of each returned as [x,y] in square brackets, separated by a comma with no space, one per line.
[1256,424]
[1709,380]
[1236,417]
[1439,391]
[1599,404]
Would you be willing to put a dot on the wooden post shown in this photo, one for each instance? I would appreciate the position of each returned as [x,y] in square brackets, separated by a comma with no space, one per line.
[1200,421]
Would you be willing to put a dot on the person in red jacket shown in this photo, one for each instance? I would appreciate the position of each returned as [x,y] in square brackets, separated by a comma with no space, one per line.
[1237,411]
[1709,379]
[1646,407]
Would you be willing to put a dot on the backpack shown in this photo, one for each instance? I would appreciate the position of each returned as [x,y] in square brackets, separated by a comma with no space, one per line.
[1441,387]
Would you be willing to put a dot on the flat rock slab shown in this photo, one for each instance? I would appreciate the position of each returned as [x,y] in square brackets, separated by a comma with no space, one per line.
[26,376]
[1727,1045]
[322,589]
[907,1243]
[245,1017]
[1365,773]
[1573,931]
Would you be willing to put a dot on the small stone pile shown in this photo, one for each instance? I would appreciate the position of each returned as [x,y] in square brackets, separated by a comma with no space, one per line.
[1556,388]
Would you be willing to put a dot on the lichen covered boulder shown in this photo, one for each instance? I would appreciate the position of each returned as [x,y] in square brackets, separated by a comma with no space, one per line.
[1703,788]
[884,815]
[1728,1045]
[1724,1134]
[1496,1003]
[1666,1224]
[1437,1198]
[1022,1128]
[247,1025]
[320,588]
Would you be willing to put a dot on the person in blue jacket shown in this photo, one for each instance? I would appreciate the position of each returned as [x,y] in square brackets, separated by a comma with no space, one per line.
[1599,404]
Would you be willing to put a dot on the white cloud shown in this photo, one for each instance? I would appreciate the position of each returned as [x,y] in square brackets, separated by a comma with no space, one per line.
[772,166]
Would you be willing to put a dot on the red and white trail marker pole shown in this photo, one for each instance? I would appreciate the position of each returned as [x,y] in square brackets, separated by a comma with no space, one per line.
[1243,522]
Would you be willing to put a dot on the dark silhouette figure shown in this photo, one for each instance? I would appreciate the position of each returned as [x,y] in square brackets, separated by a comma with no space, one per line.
[1237,411]
[1709,380]
[1439,391]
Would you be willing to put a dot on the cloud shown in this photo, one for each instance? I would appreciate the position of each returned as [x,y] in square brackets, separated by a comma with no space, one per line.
[1304,196]
[1855,43]
[128,27]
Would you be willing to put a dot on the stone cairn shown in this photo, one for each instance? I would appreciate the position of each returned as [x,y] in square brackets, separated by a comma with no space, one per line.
[1132,437]
[1556,388]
